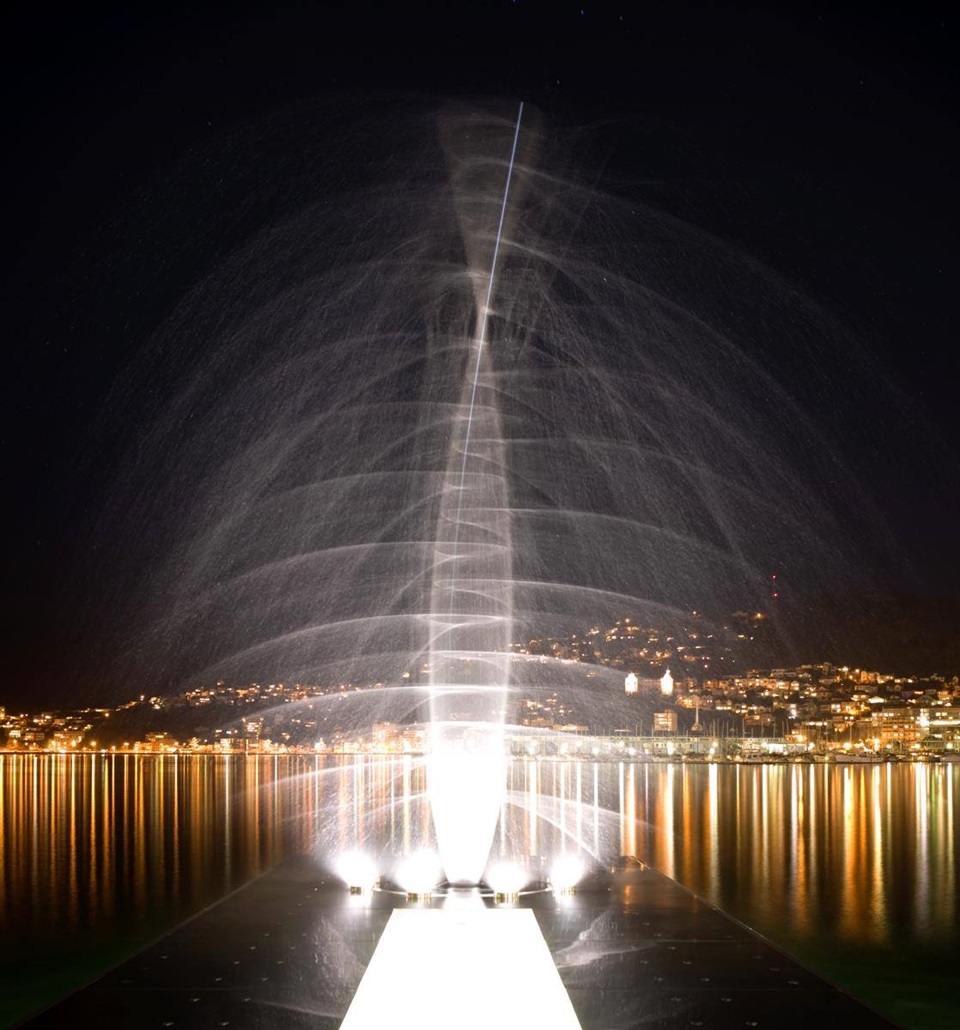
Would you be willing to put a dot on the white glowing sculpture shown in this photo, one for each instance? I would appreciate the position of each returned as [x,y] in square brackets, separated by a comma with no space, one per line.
[666,684]
[631,684]
[466,776]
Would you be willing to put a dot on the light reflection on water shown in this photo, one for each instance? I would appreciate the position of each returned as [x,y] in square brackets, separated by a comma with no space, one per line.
[864,856]
[869,852]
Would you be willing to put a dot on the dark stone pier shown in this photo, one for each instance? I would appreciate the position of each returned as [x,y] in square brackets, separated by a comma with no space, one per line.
[288,951]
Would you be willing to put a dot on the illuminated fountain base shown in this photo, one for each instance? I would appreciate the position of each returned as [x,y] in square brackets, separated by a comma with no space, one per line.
[441,968]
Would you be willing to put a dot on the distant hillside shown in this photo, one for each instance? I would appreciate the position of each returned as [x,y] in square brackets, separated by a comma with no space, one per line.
[899,634]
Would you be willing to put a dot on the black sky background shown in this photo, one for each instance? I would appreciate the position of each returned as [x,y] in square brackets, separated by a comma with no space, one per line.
[845,116]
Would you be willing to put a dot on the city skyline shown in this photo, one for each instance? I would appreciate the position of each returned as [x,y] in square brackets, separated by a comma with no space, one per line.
[812,707]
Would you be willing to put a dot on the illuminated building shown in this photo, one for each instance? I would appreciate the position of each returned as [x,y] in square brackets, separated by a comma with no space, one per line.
[665,722]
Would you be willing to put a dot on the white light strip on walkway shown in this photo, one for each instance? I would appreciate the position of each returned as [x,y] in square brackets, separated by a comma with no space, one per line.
[438,969]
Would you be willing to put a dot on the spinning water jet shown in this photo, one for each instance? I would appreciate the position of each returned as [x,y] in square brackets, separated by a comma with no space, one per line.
[471,632]
[474,403]
[471,625]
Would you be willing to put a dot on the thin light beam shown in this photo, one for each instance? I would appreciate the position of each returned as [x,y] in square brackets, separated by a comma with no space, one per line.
[482,334]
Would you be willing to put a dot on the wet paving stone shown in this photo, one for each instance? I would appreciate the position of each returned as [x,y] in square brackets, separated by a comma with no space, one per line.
[289,950]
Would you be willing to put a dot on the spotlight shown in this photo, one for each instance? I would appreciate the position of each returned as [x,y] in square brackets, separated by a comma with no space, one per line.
[566,873]
[506,880]
[357,871]
[418,875]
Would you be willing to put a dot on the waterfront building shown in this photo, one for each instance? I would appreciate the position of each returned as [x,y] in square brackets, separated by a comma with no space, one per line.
[665,722]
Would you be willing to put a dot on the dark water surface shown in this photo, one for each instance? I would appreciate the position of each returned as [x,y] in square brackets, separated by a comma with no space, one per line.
[854,870]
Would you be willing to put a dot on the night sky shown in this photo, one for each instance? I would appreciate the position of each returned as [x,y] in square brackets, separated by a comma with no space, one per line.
[819,140]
